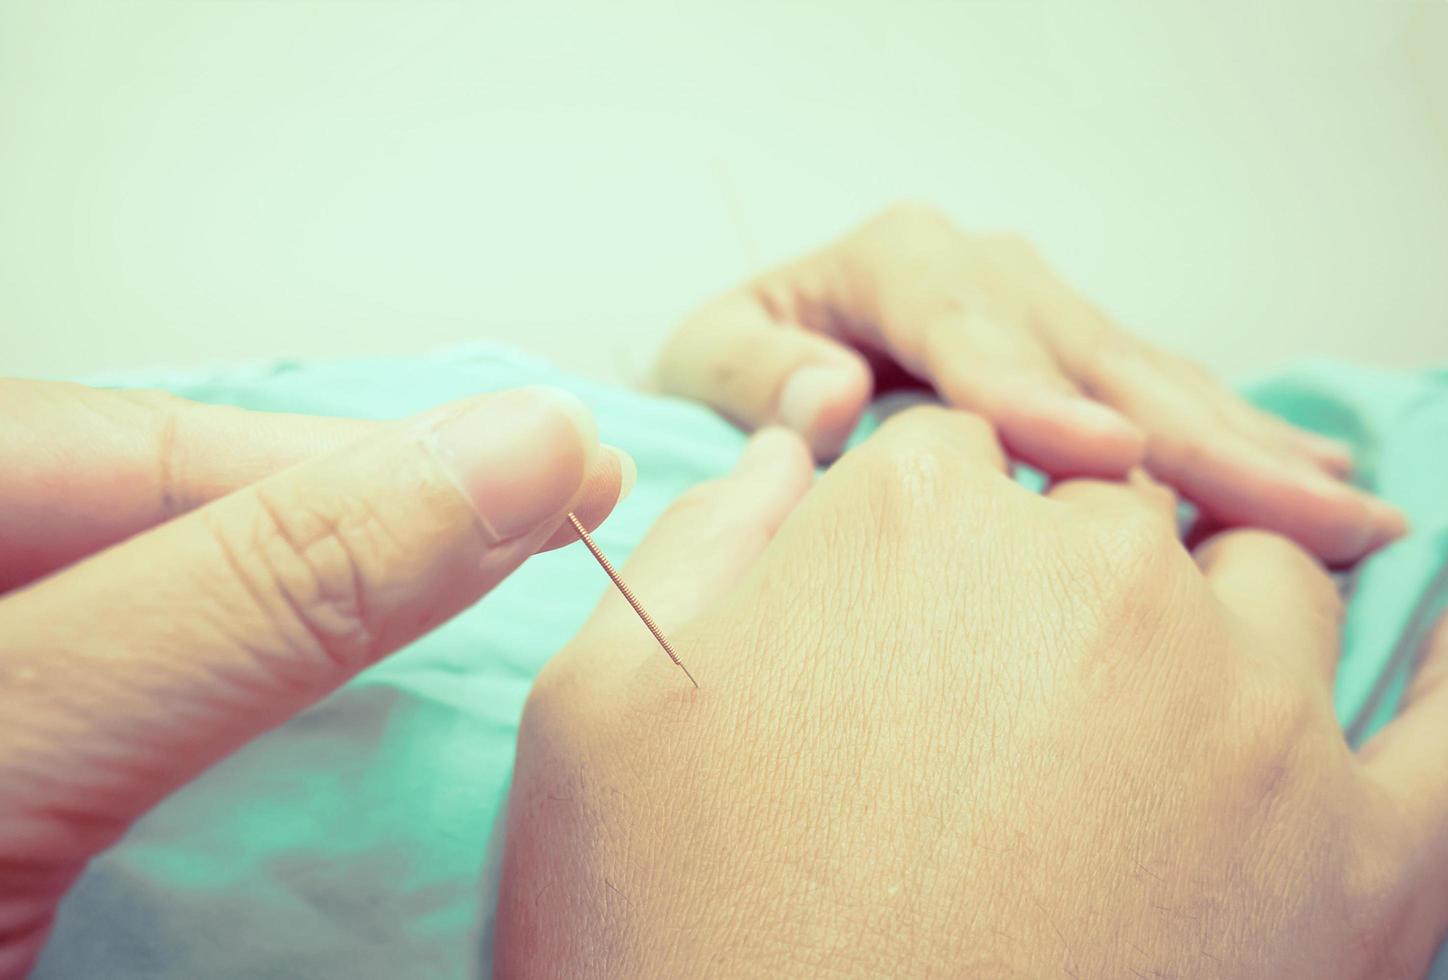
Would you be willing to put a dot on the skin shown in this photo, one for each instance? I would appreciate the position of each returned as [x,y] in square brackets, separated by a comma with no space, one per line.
[949,728]
[986,323]
[238,566]
[237,588]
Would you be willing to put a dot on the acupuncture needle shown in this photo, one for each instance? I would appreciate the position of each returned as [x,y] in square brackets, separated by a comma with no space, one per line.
[627,593]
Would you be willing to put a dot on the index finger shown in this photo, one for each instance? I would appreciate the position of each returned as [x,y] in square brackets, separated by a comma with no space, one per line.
[86,468]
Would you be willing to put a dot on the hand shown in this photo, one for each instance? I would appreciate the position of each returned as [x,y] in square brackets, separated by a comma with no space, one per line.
[986,323]
[949,728]
[124,675]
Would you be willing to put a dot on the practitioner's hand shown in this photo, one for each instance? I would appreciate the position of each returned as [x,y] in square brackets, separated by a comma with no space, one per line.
[949,728]
[986,323]
[139,643]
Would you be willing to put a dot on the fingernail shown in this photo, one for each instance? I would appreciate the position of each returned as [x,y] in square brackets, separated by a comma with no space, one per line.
[628,471]
[1385,523]
[1390,521]
[1329,486]
[1085,413]
[519,456]
[808,392]
[1098,416]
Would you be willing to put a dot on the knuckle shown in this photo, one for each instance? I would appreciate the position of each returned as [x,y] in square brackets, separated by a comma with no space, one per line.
[930,426]
[1106,350]
[1127,565]
[913,213]
[911,439]
[305,574]
[1134,539]
[1258,544]
[1175,365]
[1015,249]
[913,223]
[972,427]
[901,465]
[955,310]
[1271,549]
[915,463]
[1164,498]
[909,426]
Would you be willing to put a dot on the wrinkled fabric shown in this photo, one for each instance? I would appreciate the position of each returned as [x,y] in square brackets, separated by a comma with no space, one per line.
[357,840]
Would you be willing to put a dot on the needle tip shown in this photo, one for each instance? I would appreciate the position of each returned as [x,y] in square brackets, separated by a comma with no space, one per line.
[627,593]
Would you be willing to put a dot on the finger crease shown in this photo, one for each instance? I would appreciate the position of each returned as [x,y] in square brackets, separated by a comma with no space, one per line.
[170,500]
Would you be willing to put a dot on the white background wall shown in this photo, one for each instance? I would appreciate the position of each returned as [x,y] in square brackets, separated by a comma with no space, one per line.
[184,182]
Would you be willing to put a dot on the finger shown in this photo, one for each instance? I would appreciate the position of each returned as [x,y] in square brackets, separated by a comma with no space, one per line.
[85,468]
[1240,485]
[1139,492]
[999,370]
[1280,592]
[1329,455]
[1238,482]
[88,467]
[1079,334]
[1086,341]
[1267,431]
[129,672]
[1407,760]
[608,484]
[1242,466]
[734,356]
[928,432]
[930,481]
[709,537]
[951,308]
[1201,436]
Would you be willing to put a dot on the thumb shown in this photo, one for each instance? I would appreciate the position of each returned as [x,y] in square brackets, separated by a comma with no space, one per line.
[734,357]
[130,672]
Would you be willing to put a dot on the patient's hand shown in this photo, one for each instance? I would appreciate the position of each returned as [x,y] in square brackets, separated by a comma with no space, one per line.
[990,327]
[946,727]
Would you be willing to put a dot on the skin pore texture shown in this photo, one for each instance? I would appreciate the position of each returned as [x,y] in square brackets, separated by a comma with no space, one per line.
[947,727]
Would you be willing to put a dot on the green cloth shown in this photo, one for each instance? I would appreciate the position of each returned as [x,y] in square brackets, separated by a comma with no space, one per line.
[354,841]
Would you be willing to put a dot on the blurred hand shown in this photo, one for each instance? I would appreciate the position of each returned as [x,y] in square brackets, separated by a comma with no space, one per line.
[949,728]
[991,328]
[124,675]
